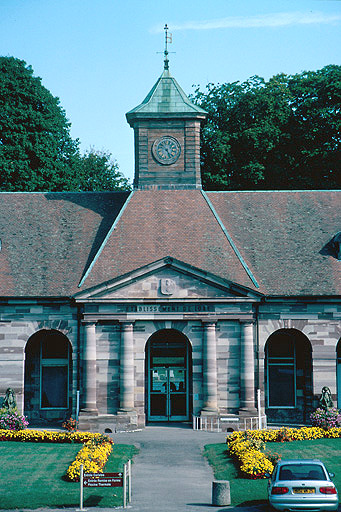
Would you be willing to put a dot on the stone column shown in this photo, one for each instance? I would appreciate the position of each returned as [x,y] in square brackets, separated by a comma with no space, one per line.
[127,368]
[90,367]
[247,368]
[210,405]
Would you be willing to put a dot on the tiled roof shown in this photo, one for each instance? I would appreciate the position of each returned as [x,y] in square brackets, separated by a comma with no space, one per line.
[50,240]
[282,234]
[166,97]
[175,223]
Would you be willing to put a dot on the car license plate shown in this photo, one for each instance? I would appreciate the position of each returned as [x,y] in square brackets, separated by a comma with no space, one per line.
[304,490]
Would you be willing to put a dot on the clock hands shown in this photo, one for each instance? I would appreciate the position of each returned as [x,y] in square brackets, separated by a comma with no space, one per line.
[166,150]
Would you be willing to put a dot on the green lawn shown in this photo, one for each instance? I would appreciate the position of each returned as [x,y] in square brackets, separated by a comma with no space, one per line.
[248,492]
[32,476]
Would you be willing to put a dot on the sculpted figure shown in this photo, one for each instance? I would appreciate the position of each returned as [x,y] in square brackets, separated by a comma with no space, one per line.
[326,401]
[9,401]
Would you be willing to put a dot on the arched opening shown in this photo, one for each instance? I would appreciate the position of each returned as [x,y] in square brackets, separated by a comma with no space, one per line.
[48,374]
[288,377]
[338,373]
[168,376]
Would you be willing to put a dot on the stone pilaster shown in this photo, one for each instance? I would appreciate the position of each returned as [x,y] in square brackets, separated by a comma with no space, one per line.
[127,368]
[210,405]
[247,368]
[90,369]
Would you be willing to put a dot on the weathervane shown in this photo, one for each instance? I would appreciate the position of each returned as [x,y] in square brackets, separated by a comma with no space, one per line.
[168,39]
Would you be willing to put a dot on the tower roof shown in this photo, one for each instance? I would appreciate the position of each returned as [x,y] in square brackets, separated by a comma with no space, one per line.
[166,98]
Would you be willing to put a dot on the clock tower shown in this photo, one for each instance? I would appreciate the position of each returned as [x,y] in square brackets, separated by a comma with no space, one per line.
[167,136]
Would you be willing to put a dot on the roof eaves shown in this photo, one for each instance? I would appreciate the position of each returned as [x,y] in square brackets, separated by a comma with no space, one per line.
[234,247]
[105,241]
[186,100]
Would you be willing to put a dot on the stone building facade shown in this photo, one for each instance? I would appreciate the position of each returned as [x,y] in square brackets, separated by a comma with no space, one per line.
[168,302]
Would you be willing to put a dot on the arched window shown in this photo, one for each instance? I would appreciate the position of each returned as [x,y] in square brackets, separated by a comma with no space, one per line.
[48,370]
[288,370]
[54,357]
[281,371]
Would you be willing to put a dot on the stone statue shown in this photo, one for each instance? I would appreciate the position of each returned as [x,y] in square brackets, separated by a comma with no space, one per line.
[9,401]
[326,401]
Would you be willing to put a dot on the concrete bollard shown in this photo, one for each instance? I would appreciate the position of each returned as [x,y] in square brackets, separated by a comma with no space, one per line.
[221,493]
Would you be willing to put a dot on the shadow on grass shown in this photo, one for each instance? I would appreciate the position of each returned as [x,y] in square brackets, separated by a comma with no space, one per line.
[93,500]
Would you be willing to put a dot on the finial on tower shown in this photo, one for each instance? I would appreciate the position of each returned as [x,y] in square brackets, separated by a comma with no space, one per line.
[168,39]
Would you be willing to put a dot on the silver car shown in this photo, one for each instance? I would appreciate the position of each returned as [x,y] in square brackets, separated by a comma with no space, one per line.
[303,484]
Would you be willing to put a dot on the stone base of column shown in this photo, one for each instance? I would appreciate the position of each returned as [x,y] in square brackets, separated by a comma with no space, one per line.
[209,411]
[247,412]
[131,413]
[128,418]
[88,411]
[110,423]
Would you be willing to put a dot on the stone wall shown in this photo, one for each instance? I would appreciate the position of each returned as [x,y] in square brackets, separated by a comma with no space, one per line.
[185,172]
[18,322]
[320,323]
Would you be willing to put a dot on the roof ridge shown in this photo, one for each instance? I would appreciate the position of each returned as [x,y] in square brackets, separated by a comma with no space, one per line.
[103,244]
[234,247]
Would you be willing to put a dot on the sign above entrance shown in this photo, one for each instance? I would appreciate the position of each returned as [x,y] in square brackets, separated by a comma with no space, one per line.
[169,308]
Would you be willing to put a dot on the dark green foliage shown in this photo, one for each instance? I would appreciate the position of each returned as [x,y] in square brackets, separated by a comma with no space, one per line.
[280,134]
[37,152]
[36,149]
[97,171]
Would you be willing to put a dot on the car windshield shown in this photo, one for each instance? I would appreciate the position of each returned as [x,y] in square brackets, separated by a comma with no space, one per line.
[301,472]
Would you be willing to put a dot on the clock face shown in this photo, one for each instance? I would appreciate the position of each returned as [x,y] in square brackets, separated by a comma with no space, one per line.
[166,150]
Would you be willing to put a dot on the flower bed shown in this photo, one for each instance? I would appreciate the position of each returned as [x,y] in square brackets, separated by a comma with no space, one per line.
[11,419]
[252,462]
[93,455]
[326,418]
[48,436]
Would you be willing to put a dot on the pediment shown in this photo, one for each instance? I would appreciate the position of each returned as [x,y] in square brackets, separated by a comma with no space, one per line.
[167,279]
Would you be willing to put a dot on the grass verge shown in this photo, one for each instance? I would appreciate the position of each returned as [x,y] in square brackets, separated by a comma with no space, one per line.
[251,492]
[32,476]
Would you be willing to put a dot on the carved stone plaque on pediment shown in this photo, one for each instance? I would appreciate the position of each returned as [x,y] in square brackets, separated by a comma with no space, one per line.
[167,286]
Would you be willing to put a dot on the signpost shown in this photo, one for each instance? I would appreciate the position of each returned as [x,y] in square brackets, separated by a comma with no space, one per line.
[103,480]
[120,479]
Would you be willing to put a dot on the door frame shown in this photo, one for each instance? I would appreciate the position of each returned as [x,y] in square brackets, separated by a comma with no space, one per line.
[188,372]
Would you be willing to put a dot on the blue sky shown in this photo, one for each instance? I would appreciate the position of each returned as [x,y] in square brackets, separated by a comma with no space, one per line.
[100,56]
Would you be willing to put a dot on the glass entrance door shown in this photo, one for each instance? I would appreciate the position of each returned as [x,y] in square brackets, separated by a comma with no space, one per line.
[168,382]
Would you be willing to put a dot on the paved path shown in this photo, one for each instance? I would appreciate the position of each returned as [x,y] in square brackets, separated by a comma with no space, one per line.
[170,474]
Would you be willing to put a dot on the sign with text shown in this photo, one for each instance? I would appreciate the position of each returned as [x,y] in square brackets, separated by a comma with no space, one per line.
[103,480]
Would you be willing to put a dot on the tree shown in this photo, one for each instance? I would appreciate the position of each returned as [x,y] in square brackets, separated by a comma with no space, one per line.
[280,134]
[97,171]
[36,149]
[37,152]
